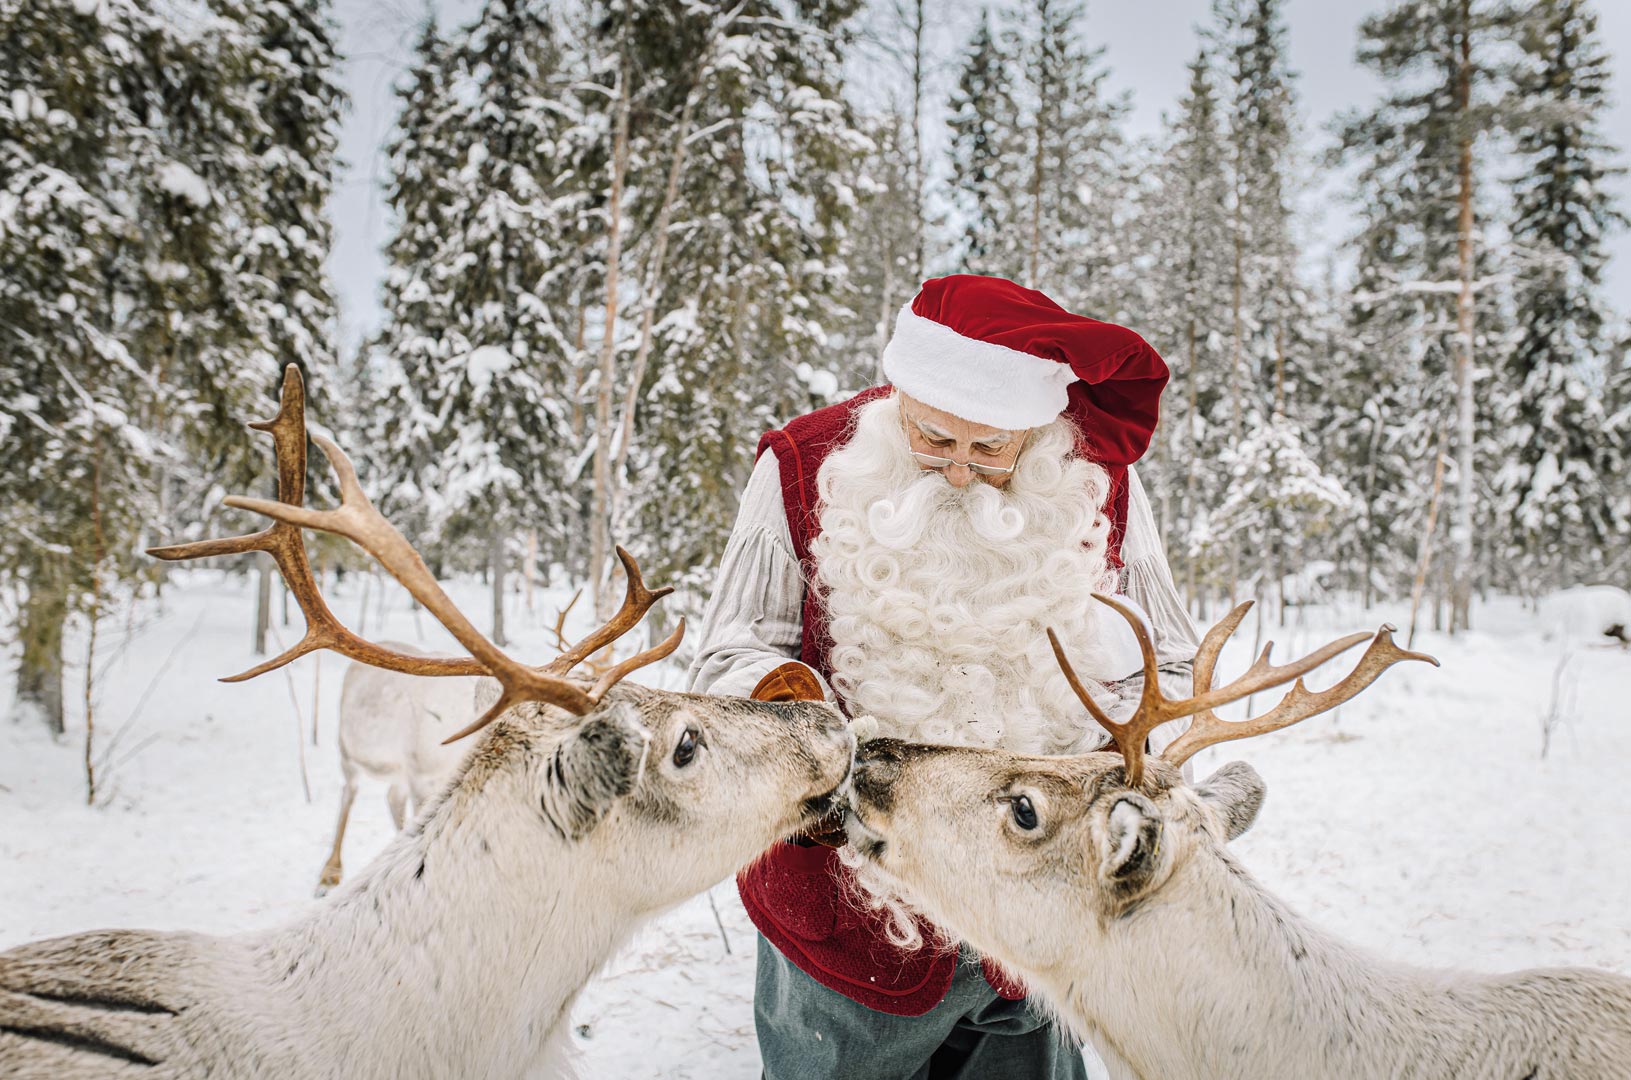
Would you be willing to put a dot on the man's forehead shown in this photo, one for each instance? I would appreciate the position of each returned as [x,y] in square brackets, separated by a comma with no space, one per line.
[944,423]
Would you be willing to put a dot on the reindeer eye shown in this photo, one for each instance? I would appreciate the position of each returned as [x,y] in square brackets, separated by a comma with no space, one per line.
[1022,810]
[686,750]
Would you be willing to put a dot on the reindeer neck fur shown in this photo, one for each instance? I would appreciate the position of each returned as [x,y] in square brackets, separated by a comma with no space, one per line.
[1213,976]
[389,979]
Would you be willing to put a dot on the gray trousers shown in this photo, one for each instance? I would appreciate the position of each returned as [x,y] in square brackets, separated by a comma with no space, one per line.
[808,1032]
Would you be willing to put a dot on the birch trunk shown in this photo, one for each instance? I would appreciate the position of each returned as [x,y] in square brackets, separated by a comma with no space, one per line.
[1425,557]
[263,607]
[495,563]
[600,505]
[1237,349]
[648,291]
[1461,587]
[917,139]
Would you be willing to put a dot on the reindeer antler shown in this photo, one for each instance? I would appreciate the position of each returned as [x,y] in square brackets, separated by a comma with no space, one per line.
[357,520]
[1208,729]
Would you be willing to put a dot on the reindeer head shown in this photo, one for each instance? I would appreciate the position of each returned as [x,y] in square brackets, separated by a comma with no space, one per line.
[671,791]
[1003,849]
[665,793]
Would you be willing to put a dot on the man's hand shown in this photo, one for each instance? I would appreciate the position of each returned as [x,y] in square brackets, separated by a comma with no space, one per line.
[793,681]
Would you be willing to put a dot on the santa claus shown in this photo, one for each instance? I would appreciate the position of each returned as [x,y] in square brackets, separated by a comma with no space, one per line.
[906,550]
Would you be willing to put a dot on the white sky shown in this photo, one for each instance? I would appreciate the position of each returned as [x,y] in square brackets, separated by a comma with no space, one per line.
[1147,45]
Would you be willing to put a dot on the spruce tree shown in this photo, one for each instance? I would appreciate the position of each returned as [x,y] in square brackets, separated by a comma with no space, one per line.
[986,154]
[879,252]
[407,355]
[1558,456]
[754,286]
[1039,163]
[485,348]
[1425,287]
[78,483]
[1183,302]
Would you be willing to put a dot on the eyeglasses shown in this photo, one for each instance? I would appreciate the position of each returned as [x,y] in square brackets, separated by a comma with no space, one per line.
[932,462]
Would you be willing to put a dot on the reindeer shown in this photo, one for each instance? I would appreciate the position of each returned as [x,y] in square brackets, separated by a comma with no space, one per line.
[1103,881]
[393,728]
[583,810]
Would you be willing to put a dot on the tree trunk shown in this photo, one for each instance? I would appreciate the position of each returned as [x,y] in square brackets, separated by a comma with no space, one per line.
[495,564]
[263,607]
[530,567]
[1461,594]
[93,615]
[577,375]
[918,29]
[1192,455]
[1237,348]
[39,668]
[648,291]
[1425,548]
[600,506]
[1044,115]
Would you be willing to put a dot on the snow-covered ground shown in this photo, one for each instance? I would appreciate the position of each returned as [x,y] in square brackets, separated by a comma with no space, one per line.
[1420,820]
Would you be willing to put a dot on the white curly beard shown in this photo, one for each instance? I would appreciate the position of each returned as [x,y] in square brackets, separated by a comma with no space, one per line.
[938,598]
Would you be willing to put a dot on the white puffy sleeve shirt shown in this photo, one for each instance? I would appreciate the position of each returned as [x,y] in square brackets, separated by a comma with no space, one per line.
[754,621]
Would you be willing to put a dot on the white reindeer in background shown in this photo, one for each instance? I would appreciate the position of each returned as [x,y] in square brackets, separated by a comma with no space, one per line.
[393,729]
[1103,881]
[582,811]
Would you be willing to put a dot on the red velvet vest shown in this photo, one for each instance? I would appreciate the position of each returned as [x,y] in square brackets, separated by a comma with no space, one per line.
[800,897]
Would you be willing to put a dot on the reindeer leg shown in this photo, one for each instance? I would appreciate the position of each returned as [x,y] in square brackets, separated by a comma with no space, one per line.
[397,797]
[331,869]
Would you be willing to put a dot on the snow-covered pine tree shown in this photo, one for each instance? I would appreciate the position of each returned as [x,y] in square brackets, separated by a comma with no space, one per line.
[1183,302]
[1275,498]
[1274,365]
[987,156]
[1272,314]
[1424,283]
[425,154]
[754,284]
[1040,168]
[1077,179]
[1558,456]
[1617,432]
[879,251]
[200,310]
[300,100]
[77,483]
[491,368]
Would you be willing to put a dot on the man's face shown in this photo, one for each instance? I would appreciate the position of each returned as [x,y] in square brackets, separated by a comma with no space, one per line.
[938,433]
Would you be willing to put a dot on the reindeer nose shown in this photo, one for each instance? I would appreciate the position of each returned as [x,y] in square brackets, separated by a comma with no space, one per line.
[877,767]
[880,751]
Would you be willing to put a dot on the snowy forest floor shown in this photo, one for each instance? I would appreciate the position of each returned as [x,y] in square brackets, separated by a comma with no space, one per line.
[1419,821]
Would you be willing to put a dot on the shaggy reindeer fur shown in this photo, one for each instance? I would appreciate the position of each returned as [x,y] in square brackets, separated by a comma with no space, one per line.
[1124,912]
[458,952]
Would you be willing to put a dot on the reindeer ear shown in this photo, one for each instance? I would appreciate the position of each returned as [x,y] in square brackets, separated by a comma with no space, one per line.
[1132,849]
[1236,793]
[597,765]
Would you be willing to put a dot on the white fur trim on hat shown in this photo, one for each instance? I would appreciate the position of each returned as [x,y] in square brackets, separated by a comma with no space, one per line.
[976,380]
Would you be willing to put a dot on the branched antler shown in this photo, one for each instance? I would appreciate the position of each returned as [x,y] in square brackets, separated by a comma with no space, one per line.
[1207,728]
[357,520]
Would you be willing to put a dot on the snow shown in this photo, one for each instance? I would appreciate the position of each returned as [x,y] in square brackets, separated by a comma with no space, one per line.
[483,363]
[1419,821]
[183,183]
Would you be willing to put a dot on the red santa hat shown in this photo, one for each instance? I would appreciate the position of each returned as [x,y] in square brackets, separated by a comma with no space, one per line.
[993,352]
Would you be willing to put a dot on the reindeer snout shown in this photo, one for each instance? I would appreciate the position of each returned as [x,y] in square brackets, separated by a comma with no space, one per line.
[877,767]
